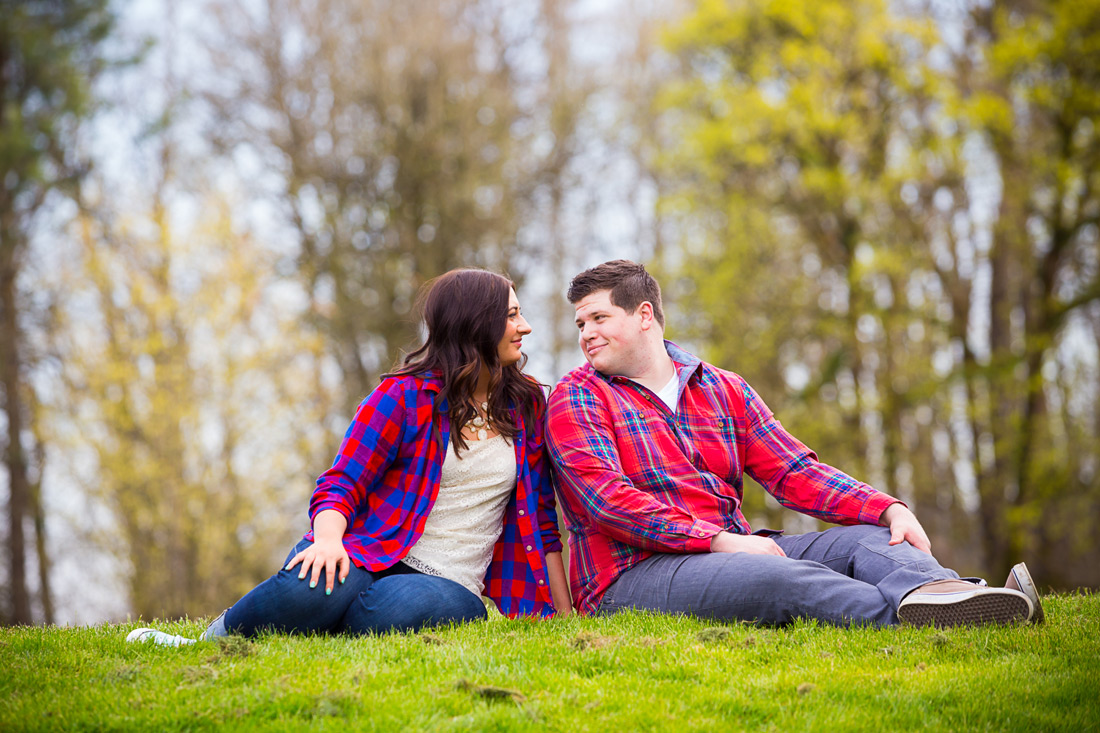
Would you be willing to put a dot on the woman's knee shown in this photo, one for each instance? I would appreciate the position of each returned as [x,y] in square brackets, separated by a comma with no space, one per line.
[410,602]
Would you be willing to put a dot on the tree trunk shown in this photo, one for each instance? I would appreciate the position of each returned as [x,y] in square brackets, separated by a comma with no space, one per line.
[38,511]
[15,458]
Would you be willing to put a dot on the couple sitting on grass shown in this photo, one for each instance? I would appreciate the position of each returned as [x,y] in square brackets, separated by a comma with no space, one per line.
[442,491]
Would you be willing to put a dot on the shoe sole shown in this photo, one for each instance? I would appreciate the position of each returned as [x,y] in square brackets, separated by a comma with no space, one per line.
[160,638]
[1027,586]
[138,635]
[977,608]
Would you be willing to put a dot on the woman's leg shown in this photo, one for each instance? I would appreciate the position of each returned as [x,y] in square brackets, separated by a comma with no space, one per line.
[406,600]
[284,602]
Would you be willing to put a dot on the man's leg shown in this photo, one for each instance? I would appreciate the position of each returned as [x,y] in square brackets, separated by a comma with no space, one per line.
[863,552]
[912,582]
[765,589]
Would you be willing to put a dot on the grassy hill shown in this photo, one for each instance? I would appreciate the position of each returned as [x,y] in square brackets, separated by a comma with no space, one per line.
[631,672]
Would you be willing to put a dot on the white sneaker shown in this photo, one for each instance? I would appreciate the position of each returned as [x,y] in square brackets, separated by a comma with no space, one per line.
[216,629]
[158,637]
[1020,579]
[947,603]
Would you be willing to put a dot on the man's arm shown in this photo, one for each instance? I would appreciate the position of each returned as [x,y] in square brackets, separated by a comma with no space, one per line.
[791,472]
[586,455]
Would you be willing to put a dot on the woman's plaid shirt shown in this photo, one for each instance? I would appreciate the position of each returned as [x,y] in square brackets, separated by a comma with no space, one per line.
[386,477]
[636,479]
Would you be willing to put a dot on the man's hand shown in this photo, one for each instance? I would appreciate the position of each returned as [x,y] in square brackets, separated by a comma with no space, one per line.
[904,527]
[749,543]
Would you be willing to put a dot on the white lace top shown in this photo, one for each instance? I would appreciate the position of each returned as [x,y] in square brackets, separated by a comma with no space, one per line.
[468,514]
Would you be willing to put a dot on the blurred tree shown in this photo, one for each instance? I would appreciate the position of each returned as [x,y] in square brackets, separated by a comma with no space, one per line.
[837,163]
[50,54]
[1029,86]
[402,140]
[802,125]
[196,393]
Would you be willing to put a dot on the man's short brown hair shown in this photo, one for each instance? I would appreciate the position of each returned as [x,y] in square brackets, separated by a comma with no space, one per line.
[629,283]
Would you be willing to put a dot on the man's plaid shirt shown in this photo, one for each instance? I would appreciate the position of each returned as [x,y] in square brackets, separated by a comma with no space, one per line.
[386,477]
[637,479]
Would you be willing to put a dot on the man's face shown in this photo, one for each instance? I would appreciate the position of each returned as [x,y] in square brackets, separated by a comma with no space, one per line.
[612,340]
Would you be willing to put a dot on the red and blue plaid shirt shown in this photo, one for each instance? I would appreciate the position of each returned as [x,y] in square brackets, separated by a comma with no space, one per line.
[637,479]
[386,477]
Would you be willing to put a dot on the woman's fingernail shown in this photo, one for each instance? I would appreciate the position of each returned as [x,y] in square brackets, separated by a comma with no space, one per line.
[302,576]
[342,580]
[312,584]
[328,591]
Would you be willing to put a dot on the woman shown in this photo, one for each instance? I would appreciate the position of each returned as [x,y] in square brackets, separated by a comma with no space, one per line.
[440,490]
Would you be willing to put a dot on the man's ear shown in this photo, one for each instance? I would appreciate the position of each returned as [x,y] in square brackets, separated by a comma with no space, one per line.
[645,310]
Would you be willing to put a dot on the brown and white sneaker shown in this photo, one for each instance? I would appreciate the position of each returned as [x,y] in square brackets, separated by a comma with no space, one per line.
[946,603]
[1020,579]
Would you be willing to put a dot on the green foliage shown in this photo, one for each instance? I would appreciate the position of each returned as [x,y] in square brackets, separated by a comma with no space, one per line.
[628,672]
[50,54]
[832,169]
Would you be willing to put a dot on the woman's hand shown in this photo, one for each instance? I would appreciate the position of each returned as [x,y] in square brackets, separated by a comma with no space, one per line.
[326,553]
[559,585]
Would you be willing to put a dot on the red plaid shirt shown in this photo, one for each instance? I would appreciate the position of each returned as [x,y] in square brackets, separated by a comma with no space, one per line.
[636,479]
[386,477]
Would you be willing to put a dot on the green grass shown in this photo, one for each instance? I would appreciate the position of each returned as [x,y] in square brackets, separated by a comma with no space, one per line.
[626,673]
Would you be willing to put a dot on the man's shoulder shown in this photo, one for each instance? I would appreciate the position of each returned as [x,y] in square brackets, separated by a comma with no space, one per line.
[582,390]
[708,375]
[583,377]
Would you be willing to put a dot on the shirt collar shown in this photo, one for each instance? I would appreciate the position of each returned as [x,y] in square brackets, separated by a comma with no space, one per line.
[680,357]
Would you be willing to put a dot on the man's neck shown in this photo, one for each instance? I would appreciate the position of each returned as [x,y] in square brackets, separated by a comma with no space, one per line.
[657,370]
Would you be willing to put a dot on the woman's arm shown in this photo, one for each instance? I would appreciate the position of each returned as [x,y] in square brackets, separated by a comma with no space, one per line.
[559,584]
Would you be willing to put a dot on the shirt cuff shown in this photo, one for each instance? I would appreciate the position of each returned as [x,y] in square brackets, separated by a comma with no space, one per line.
[700,535]
[334,506]
[875,505]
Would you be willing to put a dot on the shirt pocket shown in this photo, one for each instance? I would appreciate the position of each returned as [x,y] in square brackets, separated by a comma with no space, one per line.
[715,442]
[647,447]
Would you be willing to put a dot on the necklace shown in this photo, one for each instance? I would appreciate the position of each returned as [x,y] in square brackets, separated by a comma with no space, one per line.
[478,423]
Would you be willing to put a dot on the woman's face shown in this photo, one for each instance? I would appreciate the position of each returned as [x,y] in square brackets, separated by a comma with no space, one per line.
[515,329]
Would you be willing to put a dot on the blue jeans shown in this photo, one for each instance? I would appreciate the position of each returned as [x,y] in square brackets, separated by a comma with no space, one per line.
[842,576]
[395,599]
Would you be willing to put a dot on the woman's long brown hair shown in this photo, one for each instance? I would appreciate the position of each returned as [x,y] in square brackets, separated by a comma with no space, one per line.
[466,312]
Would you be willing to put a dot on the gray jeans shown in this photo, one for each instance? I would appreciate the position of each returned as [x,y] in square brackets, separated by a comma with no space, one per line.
[842,576]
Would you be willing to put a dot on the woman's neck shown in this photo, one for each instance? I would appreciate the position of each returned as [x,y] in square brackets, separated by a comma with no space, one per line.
[481,390]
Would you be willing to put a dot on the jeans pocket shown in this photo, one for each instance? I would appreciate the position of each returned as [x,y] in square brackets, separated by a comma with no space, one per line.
[607,603]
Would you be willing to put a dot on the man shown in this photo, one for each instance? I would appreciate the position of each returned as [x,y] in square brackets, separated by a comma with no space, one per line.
[650,445]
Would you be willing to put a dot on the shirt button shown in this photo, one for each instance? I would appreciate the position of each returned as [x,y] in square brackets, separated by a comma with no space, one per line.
[528,548]
[540,582]
[521,512]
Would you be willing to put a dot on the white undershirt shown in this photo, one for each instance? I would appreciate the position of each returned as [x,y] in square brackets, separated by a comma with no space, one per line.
[671,391]
[468,516]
